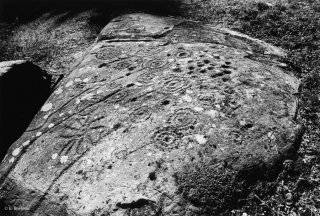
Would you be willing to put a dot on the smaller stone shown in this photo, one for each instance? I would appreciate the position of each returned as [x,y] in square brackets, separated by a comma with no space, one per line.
[289,199]
[54,156]
[78,101]
[77,80]
[64,159]
[38,134]
[50,125]
[46,107]
[16,152]
[288,165]
[99,91]
[70,83]
[61,114]
[46,116]
[242,122]
[11,160]
[200,139]
[283,65]
[26,143]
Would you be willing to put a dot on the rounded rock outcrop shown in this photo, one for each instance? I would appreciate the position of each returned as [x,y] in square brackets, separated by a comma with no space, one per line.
[162,117]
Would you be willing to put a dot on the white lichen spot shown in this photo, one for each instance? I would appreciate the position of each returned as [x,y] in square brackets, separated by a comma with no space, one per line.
[46,107]
[271,135]
[16,152]
[77,80]
[64,159]
[189,91]
[58,91]
[99,91]
[149,154]
[54,156]
[46,116]
[200,139]
[26,143]
[198,109]
[138,84]
[190,146]
[89,162]
[70,112]
[70,83]
[116,106]
[187,98]
[78,101]
[211,132]
[61,114]
[86,80]
[11,160]
[212,113]
[38,134]
[242,122]
[87,96]
[50,125]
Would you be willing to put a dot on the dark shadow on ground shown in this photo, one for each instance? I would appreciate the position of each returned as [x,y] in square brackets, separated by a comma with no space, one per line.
[23,90]
[22,11]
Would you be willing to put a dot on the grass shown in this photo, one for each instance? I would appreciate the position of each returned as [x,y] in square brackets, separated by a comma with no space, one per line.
[53,38]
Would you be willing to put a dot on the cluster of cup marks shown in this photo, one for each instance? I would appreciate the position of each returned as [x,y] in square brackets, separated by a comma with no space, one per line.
[180,123]
[177,81]
[183,121]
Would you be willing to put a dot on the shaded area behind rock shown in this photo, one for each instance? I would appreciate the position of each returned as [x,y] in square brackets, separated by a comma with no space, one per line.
[23,89]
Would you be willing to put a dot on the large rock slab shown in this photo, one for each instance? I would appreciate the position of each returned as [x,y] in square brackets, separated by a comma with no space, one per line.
[24,87]
[153,102]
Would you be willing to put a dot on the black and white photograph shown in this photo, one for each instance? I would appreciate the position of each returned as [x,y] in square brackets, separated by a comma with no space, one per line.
[159,107]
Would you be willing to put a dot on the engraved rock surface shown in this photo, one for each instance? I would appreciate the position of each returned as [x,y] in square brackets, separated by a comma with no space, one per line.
[151,96]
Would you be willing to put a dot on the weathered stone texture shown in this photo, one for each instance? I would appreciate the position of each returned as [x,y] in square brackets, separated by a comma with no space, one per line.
[152,95]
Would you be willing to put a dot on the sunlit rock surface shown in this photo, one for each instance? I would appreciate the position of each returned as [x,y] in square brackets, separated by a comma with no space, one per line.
[152,96]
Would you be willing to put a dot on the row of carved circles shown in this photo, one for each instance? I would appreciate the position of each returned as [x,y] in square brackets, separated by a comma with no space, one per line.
[183,122]
[166,138]
[149,50]
[171,84]
[157,63]
[128,64]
